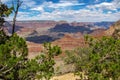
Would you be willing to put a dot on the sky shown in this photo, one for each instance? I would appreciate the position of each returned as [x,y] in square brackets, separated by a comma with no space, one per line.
[68,10]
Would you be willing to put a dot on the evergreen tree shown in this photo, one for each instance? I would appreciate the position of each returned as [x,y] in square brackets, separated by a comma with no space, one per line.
[4,12]
[99,61]
[104,61]
[14,64]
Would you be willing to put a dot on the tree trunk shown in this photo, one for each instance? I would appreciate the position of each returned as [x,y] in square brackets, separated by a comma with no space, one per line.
[14,20]
[15,15]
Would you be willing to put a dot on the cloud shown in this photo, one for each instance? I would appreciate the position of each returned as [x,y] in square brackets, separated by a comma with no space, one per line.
[96,0]
[40,8]
[4,1]
[28,4]
[58,5]
[105,11]
[105,5]
[114,5]
[61,4]
[73,1]
[82,15]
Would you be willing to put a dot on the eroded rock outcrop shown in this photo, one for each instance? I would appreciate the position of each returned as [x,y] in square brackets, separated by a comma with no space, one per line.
[114,30]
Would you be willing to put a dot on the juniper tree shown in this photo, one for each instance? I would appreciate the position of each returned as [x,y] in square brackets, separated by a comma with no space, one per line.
[14,63]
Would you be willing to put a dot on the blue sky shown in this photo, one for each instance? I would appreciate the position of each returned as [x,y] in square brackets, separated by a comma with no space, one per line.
[68,10]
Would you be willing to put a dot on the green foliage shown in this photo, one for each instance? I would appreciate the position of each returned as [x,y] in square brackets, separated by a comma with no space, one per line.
[3,37]
[79,57]
[15,65]
[100,61]
[21,49]
[104,61]
[116,34]
[4,12]
[47,61]
[71,57]
[12,53]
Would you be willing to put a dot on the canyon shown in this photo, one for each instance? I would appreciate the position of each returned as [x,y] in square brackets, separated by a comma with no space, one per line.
[67,35]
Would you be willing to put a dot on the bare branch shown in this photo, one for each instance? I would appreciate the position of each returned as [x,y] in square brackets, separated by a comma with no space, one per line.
[16,8]
[7,70]
[3,68]
[13,6]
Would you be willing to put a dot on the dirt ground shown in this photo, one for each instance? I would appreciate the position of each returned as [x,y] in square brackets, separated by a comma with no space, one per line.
[68,76]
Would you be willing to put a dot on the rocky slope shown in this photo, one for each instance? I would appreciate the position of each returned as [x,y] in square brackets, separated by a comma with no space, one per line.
[98,33]
[114,30]
[71,41]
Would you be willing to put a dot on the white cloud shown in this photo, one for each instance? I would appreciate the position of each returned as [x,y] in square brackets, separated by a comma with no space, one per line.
[84,15]
[28,3]
[40,8]
[72,15]
[73,1]
[58,5]
[117,2]
[106,5]
[23,13]
[96,0]
[4,1]
[25,4]
[61,4]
